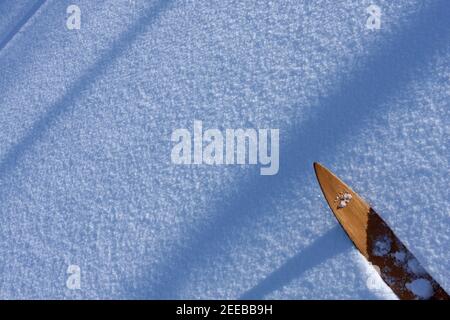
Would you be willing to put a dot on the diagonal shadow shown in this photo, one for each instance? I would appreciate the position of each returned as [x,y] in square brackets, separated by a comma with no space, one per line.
[337,116]
[322,249]
[18,26]
[60,107]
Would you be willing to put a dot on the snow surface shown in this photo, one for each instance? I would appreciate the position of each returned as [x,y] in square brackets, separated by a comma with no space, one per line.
[382,246]
[86,118]
[422,288]
[414,267]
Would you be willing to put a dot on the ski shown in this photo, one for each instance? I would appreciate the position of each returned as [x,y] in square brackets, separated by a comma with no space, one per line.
[376,241]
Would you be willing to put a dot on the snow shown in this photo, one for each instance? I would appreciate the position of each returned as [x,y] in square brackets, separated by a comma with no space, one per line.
[382,246]
[373,279]
[342,204]
[343,199]
[86,118]
[414,267]
[421,288]
[400,257]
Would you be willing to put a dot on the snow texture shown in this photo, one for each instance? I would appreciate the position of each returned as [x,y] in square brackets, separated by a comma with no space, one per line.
[85,123]
[414,267]
[382,246]
[422,288]
[343,199]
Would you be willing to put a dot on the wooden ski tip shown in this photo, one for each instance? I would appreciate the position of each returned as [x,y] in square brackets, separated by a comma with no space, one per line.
[318,168]
[316,165]
[376,241]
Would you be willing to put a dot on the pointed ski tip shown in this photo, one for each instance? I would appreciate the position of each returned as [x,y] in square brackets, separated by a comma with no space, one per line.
[317,166]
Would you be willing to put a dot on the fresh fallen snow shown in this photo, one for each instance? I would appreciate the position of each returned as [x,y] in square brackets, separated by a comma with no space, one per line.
[343,199]
[422,288]
[400,256]
[374,282]
[414,267]
[382,246]
[85,124]
[342,204]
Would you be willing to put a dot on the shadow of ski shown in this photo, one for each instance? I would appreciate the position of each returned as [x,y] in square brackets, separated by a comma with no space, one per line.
[63,105]
[325,247]
[19,25]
